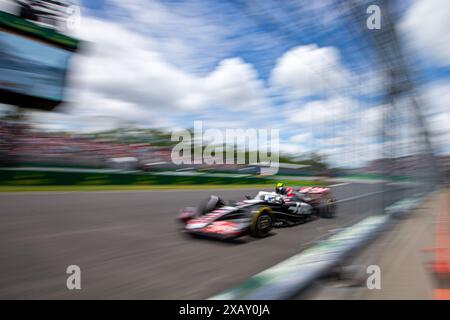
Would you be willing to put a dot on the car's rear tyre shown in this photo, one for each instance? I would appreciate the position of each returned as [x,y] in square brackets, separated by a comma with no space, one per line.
[262,223]
[209,204]
[328,209]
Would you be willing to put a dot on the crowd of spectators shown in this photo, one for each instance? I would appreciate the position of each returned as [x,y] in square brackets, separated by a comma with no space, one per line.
[21,144]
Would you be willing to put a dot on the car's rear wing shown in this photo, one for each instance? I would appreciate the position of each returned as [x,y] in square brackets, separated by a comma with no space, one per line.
[315,192]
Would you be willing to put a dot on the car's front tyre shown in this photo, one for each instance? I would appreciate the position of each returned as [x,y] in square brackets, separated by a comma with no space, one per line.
[262,223]
[209,204]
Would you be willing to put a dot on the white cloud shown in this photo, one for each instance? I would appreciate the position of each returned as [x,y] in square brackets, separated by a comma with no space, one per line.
[128,70]
[142,69]
[131,81]
[292,148]
[93,112]
[339,128]
[300,138]
[191,35]
[160,67]
[436,97]
[335,109]
[426,27]
[331,142]
[310,70]
[235,84]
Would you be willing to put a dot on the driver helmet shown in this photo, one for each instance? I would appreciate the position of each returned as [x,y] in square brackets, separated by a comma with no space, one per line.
[280,188]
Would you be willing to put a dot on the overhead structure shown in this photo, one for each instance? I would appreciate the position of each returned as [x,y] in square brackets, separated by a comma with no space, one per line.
[34,61]
[404,110]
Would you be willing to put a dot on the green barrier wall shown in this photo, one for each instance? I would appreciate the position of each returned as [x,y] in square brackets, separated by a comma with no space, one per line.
[42,178]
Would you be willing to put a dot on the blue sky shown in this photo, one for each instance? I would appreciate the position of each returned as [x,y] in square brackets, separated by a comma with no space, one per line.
[284,25]
[300,66]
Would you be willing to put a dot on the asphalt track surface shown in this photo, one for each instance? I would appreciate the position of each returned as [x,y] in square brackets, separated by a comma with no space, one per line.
[128,247]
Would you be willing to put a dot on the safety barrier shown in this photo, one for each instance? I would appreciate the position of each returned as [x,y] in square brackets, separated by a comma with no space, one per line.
[64,176]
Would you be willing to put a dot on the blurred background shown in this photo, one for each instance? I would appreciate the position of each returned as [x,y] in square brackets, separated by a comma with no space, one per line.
[120,78]
[91,92]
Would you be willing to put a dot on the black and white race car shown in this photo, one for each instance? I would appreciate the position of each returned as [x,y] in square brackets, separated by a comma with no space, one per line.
[257,216]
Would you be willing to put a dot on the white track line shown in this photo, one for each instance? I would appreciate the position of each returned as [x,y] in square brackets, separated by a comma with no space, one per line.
[339,184]
[363,196]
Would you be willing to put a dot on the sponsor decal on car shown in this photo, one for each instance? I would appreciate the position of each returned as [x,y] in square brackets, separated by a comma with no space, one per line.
[222,227]
[202,221]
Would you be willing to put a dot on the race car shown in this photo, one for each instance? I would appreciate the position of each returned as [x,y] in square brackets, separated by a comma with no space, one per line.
[257,216]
